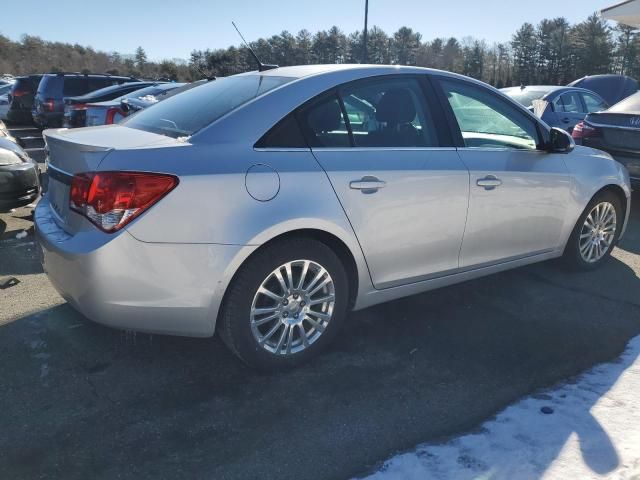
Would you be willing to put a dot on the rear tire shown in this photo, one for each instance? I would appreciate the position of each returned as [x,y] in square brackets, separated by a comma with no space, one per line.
[596,233]
[274,315]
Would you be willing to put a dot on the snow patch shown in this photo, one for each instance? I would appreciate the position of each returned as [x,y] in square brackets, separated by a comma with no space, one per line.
[592,432]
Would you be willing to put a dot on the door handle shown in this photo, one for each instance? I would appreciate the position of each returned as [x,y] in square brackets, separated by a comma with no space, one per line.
[367,184]
[566,120]
[489,182]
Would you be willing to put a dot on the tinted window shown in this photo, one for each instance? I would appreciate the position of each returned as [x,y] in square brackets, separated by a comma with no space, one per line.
[286,134]
[74,86]
[593,103]
[486,121]
[96,83]
[324,123]
[388,113]
[185,114]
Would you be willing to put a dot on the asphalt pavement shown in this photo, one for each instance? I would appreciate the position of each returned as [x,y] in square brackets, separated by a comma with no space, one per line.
[84,401]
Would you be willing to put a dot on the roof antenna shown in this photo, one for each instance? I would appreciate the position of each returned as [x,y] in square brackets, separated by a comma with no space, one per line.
[261,66]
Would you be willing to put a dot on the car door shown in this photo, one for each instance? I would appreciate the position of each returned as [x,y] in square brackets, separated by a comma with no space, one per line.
[518,193]
[404,193]
[569,110]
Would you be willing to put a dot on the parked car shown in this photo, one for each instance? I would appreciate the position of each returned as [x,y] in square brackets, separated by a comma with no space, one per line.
[266,205]
[106,113]
[21,98]
[75,108]
[562,107]
[4,100]
[615,131]
[134,104]
[48,107]
[612,88]
[19,176]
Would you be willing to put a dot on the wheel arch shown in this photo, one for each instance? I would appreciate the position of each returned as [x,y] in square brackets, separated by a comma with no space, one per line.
[351,260]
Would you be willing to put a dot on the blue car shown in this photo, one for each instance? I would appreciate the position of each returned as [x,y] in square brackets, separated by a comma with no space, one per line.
[562,107]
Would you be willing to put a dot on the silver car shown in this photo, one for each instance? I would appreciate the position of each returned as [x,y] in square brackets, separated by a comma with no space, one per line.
[265,206]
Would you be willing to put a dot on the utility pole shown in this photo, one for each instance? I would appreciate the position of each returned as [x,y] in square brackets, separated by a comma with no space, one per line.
[364,36]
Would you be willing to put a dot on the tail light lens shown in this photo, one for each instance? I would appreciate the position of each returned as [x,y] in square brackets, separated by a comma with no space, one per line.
[78,106]
[111,200]
[48,105]
[20,93]
[584,130]
[111,115]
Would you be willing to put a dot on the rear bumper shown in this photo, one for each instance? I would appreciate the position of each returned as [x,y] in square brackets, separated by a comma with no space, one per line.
[121,282]
[19,186]
[48,120]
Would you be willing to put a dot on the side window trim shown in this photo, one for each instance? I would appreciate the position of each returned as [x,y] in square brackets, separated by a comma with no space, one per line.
[541,132]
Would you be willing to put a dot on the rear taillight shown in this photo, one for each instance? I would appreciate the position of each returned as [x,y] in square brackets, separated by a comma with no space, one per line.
[78,106]
[110,200]
[20,93]
[48,105]
[111,115]
[584,130]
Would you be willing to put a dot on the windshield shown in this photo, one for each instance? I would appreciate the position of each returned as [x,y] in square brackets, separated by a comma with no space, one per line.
[185,114]
[525,97]
[628,105]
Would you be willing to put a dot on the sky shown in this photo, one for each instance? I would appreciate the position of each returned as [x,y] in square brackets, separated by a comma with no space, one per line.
[168,29]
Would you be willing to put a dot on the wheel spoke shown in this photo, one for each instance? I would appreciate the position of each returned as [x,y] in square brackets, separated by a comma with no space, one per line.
[289,276]
[303,274]
[289,339]
[303,335]
[315,280]
[320,285]
[324,316]
[270,333]
[270,294]
[264,320]
[283,285]
[283,336]
[328,298]
[317,325]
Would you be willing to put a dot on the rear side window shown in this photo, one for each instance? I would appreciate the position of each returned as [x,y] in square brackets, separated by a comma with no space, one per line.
[185,114]
[74,86]
[285,134]
[324,124]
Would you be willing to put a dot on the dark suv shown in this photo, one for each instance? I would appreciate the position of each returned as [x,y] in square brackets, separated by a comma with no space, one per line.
[21,98]
[48,107]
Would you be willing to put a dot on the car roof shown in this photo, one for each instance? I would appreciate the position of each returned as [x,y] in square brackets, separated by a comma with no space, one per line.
[300,71]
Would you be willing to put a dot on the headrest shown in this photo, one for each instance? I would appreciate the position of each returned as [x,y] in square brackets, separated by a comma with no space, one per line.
[325,117]
[395,107]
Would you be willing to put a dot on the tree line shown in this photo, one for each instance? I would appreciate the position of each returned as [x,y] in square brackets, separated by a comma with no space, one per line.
[552,52]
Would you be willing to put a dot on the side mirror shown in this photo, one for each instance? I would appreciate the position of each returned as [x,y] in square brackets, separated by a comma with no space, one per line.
[560,141]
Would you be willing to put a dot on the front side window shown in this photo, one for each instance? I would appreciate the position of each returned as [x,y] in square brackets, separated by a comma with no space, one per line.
[185,114]
[388,113]
[593,103]
[486,121]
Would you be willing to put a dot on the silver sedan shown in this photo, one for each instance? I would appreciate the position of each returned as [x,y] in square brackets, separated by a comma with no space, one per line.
[265,206]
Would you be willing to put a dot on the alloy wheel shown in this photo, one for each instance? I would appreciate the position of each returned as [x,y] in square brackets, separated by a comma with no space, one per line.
[292,307]
[598,232]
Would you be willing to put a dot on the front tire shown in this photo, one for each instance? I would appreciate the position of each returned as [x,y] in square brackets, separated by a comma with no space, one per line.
[596,233]
[285,305]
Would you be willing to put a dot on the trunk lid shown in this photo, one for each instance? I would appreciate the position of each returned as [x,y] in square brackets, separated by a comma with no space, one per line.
[620,131]
[76,151]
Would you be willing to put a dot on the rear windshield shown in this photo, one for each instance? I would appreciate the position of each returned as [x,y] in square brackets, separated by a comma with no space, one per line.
[185,114]
[155,90]
[628,105]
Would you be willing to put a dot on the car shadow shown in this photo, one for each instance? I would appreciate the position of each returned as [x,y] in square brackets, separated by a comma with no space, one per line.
[400,374]
[631,241]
